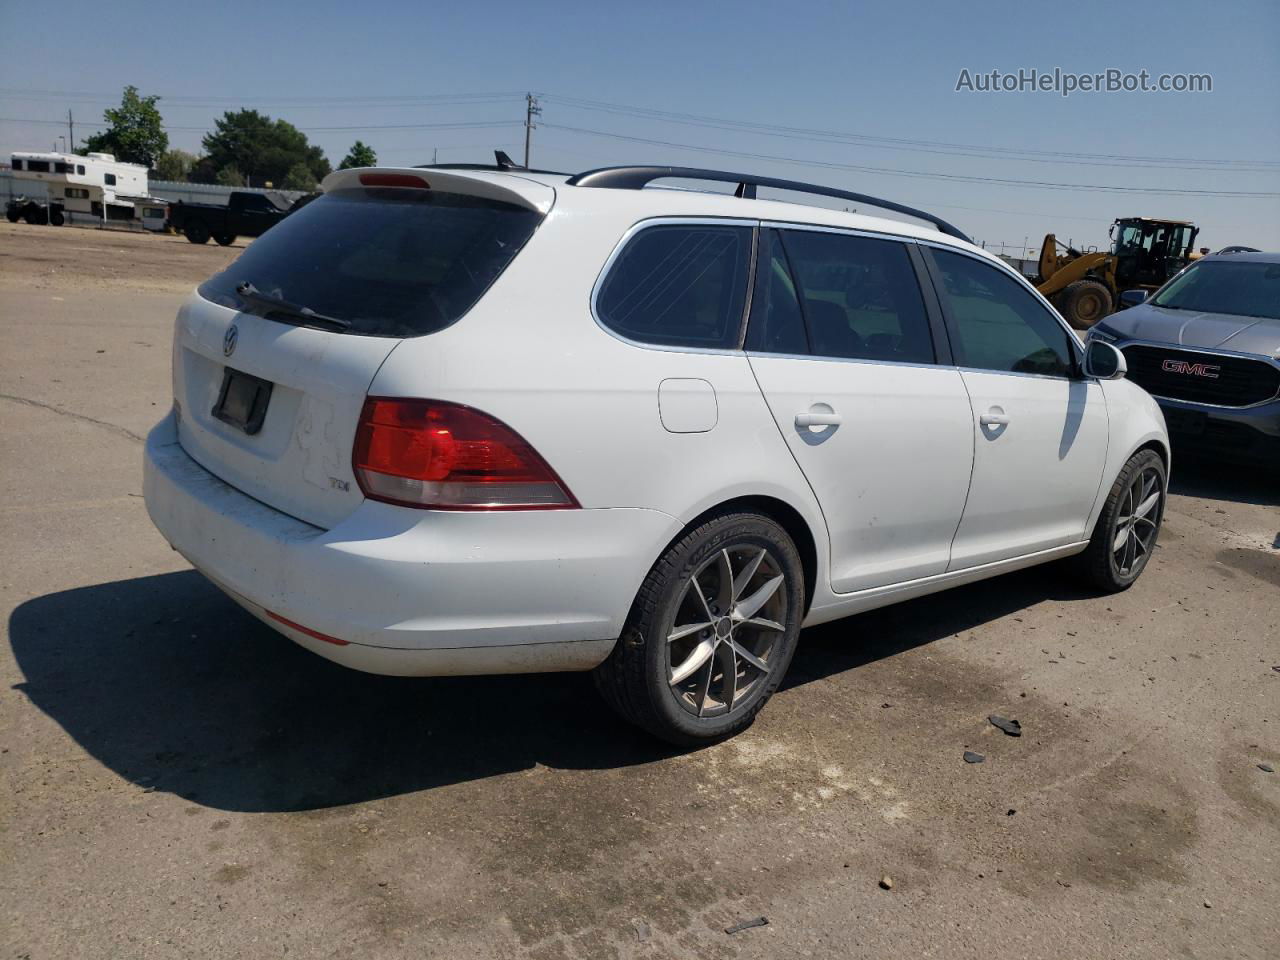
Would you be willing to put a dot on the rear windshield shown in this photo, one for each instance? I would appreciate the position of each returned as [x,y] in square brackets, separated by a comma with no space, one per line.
[392,262]
[1246,288]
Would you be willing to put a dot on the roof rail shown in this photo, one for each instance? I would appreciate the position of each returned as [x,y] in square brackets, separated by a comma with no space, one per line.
[636,178]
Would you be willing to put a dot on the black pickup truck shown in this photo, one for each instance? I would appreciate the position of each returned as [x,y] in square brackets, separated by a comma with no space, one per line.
[245,215]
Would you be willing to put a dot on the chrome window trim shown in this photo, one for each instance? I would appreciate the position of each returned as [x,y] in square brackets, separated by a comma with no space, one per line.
[663,221]
[1001,266]
[766,355]
[1120,343]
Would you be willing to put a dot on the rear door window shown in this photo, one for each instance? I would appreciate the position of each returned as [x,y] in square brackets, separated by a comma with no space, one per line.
[391,262]
[997,324]
[839,295]
[680,285]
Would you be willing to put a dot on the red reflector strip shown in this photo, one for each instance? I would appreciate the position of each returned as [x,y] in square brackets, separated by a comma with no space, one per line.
[316,634]
[394,180]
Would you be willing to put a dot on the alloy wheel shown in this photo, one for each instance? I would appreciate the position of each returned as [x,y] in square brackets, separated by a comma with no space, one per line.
[1137,522]
[731,613]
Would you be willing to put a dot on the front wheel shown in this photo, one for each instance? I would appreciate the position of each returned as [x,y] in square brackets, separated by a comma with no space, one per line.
[226,240]
[1126,532]
[197,231]
[711,632]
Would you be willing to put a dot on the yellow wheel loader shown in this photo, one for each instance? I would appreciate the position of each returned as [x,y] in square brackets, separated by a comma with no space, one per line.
[1085,286]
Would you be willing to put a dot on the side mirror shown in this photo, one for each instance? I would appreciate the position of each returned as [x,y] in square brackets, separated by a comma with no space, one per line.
[1103,361]
[1131,298]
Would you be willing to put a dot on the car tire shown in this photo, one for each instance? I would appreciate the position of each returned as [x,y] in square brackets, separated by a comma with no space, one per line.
[1128,527]
[56,217]
[196,231]
[226,241]
[669,673]
[13,214]
[1084,302]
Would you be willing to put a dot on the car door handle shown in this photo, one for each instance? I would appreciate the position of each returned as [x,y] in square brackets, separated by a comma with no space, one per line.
[993,420]
[817,419]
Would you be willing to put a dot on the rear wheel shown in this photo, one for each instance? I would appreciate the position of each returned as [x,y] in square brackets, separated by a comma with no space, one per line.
[197,231]
[711,632]
[1126,532]
[12,214]
[226,240]
[1084,303]
[56,217]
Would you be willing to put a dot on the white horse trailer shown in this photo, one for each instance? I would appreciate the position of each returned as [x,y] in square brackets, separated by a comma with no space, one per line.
[96,185]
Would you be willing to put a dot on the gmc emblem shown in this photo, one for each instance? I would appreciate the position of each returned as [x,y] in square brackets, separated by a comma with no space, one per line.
[1209,370]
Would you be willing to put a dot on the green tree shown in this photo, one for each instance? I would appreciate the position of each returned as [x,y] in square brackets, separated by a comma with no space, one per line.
[175,165]
[299,177]
[135,130]
[229,176]
[261,149]
[360,155]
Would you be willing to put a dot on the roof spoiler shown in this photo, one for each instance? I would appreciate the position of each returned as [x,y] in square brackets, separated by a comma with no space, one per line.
[473,180]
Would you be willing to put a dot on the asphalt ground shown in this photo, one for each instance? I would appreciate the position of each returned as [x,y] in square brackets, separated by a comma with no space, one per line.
[180,781]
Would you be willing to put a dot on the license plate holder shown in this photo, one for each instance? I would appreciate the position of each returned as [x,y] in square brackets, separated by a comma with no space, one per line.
[242,400]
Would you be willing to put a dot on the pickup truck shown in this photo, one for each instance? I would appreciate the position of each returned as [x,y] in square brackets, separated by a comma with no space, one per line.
[245,215]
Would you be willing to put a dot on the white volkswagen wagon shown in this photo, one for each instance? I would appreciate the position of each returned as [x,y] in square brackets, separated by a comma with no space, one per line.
[464,420]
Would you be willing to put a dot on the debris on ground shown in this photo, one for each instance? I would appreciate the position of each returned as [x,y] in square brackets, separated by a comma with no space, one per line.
[1012,727]
[642,930]
[886,882]
[971,757]
[1266,768]
[747,925]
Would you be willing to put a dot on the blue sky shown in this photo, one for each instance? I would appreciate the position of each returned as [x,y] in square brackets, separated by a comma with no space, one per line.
[884,72]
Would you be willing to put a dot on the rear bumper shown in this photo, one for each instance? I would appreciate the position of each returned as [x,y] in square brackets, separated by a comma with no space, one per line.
[1236,433]
[413,592]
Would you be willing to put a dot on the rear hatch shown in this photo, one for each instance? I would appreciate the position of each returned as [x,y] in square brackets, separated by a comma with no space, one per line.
[273,357]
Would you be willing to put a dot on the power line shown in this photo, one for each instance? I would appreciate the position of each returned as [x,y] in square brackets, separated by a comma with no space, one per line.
[952,177]
[925,146]
[15,93]
[448,125]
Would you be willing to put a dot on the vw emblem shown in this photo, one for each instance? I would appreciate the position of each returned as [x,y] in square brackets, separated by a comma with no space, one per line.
[229,340]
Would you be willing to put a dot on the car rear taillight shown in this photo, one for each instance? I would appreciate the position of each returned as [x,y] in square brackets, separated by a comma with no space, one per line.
[444,456]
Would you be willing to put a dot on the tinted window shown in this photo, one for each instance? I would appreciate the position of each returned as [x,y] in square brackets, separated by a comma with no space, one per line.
[80,169]
[38,166]
[17,164]
[1240,287]
[997,323]
[109,179]
[777,325]
[859,297]
[679,285]
[395,263]
[61,167]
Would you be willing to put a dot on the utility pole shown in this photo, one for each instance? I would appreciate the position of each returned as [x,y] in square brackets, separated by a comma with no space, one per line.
[71,133]
[531,110]
[435,152]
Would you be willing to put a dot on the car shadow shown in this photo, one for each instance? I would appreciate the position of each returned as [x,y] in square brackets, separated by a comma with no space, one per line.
[173,687]
[1200,474]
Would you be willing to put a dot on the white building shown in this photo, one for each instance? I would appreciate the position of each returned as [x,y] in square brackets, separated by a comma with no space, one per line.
[96,185]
